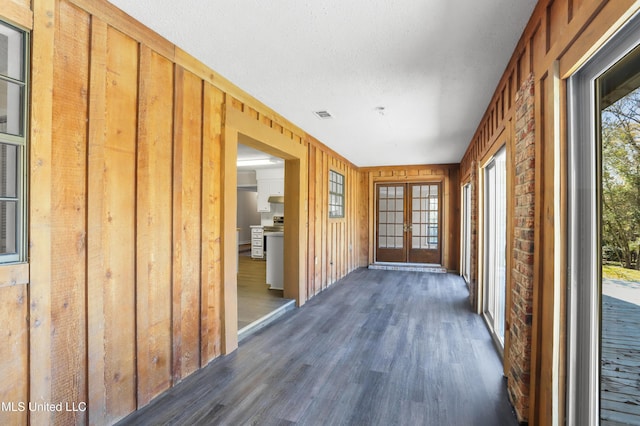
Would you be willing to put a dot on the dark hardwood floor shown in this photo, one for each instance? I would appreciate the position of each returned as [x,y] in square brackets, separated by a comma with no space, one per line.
[376,348]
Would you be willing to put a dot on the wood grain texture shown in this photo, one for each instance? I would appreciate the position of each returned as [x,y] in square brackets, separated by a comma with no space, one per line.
[96,158]
[187,192]
[118,233]
[154,226]
[11,275]
[571,36]
[69,211]
[13,353]
[111,199]
[366,351]
[347,243]
[18,12]
[40,206]
[116,200]
[117,19]
[448,175]
[211,265]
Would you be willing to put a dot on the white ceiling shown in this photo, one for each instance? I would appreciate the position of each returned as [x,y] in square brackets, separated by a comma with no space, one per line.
[433,65]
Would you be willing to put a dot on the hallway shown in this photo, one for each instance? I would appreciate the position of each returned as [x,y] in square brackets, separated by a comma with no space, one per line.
[376,348]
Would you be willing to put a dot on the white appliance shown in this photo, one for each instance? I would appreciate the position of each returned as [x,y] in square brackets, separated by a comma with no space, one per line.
[275,260]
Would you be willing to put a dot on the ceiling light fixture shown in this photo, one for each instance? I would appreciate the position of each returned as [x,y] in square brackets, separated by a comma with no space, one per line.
[256,162]
[380,110]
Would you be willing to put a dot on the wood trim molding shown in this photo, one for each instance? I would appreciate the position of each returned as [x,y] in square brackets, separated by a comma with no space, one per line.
[15,13]
[259,136]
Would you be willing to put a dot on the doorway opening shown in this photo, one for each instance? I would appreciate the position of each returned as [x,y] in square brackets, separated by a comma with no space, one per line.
[260,227]
[255,134]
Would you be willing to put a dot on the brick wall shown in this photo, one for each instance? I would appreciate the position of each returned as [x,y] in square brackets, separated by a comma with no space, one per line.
[473,273]
[522,269]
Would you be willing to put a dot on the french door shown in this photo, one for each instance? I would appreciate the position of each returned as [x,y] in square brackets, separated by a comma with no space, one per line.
[408,224]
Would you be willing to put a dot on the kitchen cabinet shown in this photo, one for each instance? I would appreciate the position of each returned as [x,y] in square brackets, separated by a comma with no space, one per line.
[257,242]
[267,188]
[270,182]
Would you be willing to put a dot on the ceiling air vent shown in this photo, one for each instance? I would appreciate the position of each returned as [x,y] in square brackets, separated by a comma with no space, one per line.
[323,115]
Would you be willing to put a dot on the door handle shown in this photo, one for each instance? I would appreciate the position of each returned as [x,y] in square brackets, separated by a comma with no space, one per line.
[407,228]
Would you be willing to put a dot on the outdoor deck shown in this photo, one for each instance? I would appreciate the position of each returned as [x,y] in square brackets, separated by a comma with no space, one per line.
[620,375]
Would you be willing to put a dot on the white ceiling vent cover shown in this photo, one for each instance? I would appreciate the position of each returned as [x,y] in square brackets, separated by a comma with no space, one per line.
[323,115]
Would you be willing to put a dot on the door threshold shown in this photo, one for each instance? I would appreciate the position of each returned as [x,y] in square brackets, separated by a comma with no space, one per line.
[411,267]
[260,323]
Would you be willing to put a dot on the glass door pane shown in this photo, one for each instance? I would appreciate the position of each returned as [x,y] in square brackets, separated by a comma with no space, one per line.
[495,232]
[425,240]
[390,224]
[466,233]
[619,102]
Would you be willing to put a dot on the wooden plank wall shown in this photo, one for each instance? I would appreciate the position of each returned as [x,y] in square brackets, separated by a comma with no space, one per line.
[131,293]
[334,245]
[560,35]
[448,175]
[14,279]
[122,297]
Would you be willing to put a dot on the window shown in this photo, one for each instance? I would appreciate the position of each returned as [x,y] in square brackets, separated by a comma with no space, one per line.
[13,95]
[336,194]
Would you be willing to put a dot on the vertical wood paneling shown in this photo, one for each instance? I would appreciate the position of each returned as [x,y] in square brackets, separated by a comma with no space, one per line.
[95,295]
[211,279]
[13,351]
[311,262]
[153,230]
[187,192]
[325,254]
[449,176]
[17,11]
[129,225]
[334,244]
[40,387]
[363,219]
[111,197]
[319,256]
[68,215]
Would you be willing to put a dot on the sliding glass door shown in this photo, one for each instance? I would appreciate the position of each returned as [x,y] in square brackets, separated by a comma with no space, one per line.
[465,240]
[495,243]
[604,236]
